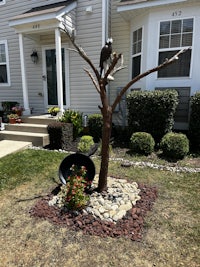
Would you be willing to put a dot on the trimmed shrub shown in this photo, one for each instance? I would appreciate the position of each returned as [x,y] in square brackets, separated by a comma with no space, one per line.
[95,123]
[194,124]
[74,117]
[152,111]
[85,144]
[142,143]
[60,135]
[8,105]
[175,145]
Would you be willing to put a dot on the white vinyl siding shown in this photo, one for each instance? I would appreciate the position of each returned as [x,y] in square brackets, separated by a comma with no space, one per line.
[4,64]
[84,96]
[175,35]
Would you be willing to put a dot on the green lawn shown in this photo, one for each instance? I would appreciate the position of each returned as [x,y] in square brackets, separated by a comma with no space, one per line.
[171,233]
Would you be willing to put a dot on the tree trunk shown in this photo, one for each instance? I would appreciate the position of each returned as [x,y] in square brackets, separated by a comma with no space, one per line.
[106,133]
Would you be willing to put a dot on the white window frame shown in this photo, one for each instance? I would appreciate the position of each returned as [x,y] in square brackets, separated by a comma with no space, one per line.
[4,42]
[171,49]
[2,2]
[139,53]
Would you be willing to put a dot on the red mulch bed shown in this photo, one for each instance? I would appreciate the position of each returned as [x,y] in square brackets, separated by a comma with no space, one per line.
[131,226]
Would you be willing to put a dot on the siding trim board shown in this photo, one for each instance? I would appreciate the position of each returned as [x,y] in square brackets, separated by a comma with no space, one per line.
[133,5]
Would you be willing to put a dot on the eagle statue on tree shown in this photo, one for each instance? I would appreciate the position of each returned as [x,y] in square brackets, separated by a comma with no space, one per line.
[105,58]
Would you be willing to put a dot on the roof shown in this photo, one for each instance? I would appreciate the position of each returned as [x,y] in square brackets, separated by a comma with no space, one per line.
[131,2]
[42,10]
[55,7]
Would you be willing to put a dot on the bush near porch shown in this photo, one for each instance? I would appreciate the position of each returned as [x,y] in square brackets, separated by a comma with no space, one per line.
[60,135]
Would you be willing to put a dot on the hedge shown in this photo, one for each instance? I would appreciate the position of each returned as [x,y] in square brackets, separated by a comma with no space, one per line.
[60,135]
[95,123]
[194,124]
[152,111]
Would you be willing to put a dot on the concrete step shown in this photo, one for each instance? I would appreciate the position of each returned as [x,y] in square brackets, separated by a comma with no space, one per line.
[44,119]
[37,139]
[27,127]
[9,146]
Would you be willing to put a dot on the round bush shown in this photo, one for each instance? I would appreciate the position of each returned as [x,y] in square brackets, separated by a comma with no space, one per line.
[142,143]
[175,145]
[85,144]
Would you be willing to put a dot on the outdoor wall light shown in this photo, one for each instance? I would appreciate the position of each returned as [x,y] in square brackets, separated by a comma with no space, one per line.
[34,57]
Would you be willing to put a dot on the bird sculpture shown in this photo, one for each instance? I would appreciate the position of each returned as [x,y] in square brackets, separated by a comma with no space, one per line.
[105,58]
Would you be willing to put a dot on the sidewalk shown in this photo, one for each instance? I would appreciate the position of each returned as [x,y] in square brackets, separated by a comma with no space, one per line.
[9,146]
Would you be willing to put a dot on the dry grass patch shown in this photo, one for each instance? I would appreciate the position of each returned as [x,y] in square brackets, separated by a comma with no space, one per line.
[171,235]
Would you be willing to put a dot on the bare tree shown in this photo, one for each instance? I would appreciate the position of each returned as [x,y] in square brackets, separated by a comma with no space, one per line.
[107,108]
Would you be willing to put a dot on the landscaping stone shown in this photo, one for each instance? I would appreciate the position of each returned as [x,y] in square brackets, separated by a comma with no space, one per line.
[130,226]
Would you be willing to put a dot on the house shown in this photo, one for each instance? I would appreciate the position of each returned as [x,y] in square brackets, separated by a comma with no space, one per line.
[39,67]
[147,32]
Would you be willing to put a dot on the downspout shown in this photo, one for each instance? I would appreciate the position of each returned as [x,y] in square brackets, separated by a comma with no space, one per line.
[105,20]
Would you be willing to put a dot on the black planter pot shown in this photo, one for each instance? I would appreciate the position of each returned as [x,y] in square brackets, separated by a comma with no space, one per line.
[53,114]
[78,160]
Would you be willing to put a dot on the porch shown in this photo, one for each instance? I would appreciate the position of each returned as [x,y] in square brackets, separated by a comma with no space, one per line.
[41,28]
[32,130]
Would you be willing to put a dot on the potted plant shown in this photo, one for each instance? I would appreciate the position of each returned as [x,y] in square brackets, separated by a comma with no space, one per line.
[73,195]
[53,111]
[13,118]
[17,110]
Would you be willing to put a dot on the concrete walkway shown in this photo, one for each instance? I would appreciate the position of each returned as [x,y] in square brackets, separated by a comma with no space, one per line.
[9,146]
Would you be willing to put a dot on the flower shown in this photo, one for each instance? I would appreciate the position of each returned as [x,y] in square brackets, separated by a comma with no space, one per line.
[73,195]
[53,110]
[13,116]
[17,108]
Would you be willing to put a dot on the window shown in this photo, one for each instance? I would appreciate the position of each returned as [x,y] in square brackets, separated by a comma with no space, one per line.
[2,2]
[4,75]
[136,52]
[175,35]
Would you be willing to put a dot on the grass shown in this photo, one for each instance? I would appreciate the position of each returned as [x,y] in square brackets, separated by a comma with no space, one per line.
[171,235]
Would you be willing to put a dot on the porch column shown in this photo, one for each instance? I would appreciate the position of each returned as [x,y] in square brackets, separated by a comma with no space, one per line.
[24,77]
[59,69]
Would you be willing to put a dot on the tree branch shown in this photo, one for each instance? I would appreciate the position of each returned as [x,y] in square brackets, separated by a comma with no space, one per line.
[118,69]
[112,66]
[73,50]
[81,51]
[93,80]
[142,75]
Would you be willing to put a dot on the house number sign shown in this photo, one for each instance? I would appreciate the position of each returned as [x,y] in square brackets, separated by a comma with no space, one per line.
[177,13]
[36,26]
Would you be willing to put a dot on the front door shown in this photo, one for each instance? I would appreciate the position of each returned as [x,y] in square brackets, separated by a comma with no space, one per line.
[50,78]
